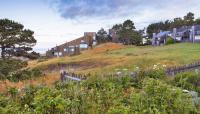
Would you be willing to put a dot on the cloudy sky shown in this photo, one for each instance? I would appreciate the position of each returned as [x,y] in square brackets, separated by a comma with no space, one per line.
[57,21]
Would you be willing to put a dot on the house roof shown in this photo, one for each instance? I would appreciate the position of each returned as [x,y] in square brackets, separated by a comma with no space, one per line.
[161,34]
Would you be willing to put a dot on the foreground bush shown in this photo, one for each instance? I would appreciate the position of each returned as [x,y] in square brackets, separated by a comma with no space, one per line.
[112,95]
[24,74]
[8,65]
[170,40]
[188,80]
[13,70]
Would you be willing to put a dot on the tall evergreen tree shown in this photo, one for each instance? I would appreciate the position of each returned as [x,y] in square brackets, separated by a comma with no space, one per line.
[102,36]
[189,18]
[128,34]
[14,39]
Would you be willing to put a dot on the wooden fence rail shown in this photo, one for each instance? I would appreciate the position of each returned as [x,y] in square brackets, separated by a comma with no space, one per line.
[65,76]
[178,69]
[171,71]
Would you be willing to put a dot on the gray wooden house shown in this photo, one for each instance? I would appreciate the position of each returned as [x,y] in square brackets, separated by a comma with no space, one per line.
[181,34]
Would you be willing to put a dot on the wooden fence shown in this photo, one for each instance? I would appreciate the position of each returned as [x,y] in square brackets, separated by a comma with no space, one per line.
[178,69]
[64,76]
[171,71]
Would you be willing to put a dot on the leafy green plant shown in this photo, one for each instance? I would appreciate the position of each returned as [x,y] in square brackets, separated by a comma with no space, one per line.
[50,101]
[100,94]
[188,80]
[8,65]
[24,74]
[159,97]
[170,40]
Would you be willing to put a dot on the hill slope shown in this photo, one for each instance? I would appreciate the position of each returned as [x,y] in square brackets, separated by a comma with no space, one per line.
[107,57]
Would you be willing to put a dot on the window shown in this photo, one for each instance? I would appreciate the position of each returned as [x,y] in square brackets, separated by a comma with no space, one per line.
[82,41]
[72,49]
[65,49]
[83,46]
[60,53]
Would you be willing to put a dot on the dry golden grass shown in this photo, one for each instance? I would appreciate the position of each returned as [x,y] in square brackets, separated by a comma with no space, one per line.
[48,79]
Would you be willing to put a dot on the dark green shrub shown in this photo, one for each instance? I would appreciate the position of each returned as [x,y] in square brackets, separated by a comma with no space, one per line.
[169,41]
[50,101]
[160,98]
[188,80]
[156,74]
[7,66]
[100,94]
[23,74]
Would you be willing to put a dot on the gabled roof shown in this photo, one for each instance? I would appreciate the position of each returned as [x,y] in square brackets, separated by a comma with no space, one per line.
[161,34]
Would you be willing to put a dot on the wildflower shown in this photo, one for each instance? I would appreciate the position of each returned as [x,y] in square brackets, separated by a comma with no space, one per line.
[164,66]
[154,67]
[118,73]
[186,91]
[25,105]
[196,71]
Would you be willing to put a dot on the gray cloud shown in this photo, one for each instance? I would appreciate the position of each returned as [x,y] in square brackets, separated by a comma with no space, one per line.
[97,8]
[142,12]
[106,8]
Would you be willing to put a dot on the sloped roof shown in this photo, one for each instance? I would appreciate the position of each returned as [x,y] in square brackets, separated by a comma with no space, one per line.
[161,34]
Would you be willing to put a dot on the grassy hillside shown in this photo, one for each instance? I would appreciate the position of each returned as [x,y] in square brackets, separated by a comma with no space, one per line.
[107,57]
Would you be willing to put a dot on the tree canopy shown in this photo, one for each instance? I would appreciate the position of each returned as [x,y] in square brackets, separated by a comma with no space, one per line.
[102,36]
[14,39]
[127,33]
[177,22]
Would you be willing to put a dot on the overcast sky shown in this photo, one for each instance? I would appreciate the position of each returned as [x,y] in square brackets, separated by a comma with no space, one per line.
[57,21]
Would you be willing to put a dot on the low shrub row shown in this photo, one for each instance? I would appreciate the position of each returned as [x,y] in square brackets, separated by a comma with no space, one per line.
[100,94]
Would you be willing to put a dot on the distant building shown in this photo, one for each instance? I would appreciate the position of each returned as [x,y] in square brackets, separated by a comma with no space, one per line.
[114,35]
[160,38]
[182,34]
[73,47]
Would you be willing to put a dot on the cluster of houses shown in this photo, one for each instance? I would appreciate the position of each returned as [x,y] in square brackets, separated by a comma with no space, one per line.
[182,34]
[74,47]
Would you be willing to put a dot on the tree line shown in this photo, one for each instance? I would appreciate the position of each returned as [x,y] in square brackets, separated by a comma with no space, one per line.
[126,33]
[177,22]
